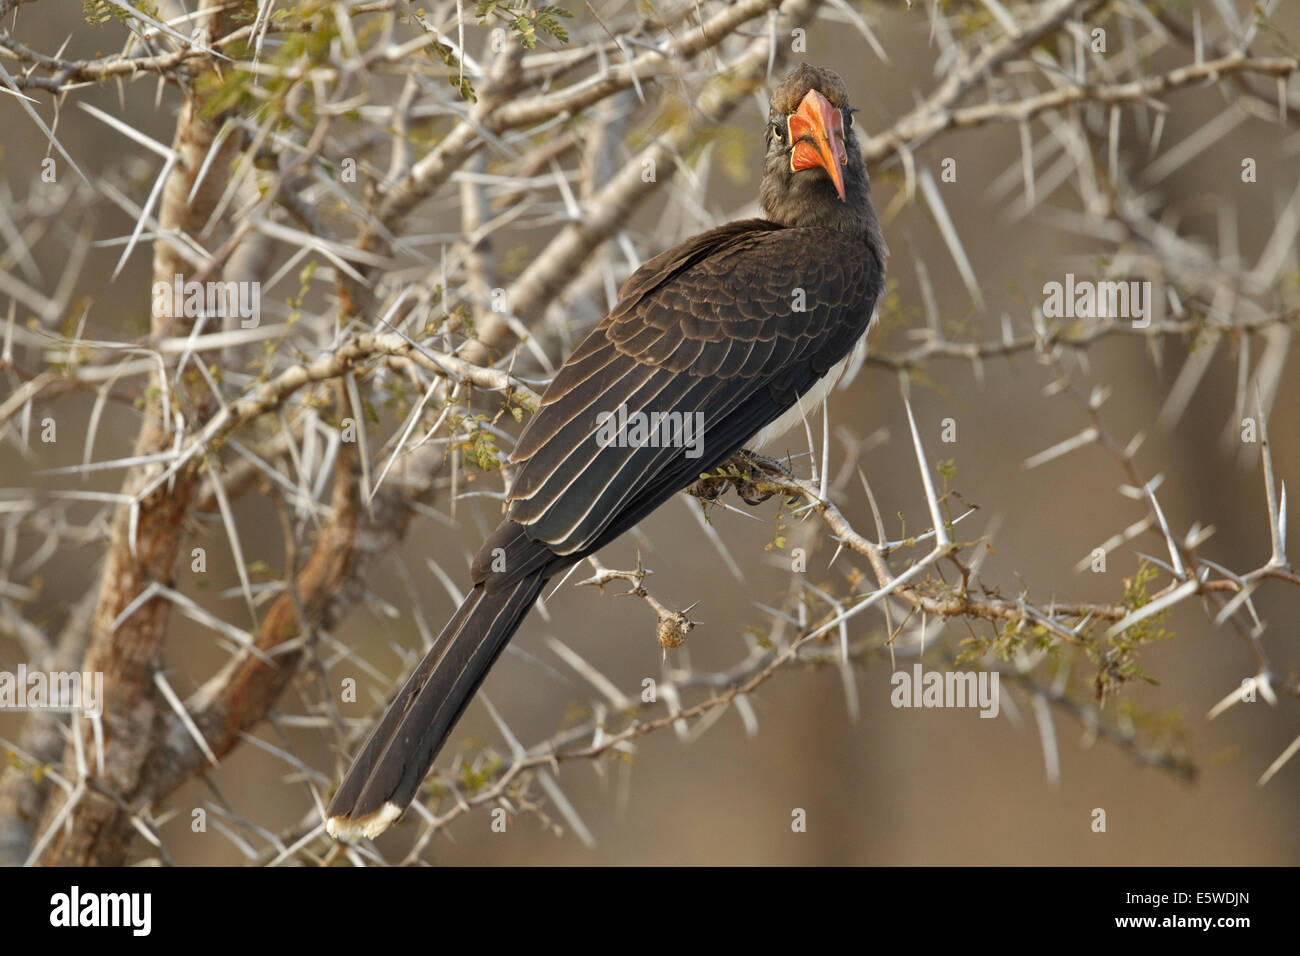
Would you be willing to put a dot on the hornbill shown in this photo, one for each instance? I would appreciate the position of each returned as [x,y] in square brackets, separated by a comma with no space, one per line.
[749,324]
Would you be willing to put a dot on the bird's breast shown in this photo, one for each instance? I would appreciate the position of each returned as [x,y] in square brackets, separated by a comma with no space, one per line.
[804,408]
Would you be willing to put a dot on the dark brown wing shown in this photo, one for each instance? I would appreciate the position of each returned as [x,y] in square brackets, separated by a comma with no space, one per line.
[711,326]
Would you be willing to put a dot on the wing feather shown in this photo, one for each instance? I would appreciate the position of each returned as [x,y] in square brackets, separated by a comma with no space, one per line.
[712,327]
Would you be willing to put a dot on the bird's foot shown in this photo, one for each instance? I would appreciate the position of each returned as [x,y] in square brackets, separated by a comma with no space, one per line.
[745,470]
[709,488]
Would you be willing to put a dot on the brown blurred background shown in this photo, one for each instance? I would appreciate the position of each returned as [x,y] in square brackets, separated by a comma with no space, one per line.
[897,786]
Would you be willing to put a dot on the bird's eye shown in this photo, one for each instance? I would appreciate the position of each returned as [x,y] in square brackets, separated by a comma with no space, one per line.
[778,132]
[848,122]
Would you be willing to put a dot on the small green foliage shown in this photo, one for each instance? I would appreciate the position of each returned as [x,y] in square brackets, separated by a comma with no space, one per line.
[97,12]
[311,45]
[475,779]
[442,51]
[231,91]
[760,637]
[527,24]
[481,446]
[38,771]
[973,18]
[1116,659]
[1009,640]
[304,282]
[455,75]
[517,403]
[974,647]
[778,535]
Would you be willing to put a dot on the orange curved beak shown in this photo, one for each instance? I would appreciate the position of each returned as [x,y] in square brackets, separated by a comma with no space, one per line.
[817,136]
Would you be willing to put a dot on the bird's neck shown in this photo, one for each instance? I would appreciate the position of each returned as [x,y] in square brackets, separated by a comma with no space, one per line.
[809,201]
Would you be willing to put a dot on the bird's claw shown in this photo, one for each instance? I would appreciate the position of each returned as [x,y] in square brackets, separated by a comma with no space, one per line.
[744,470]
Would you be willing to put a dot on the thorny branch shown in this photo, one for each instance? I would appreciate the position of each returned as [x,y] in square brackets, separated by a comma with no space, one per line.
[275,113]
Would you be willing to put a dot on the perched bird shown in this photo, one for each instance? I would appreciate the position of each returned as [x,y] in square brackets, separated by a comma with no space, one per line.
[748,325]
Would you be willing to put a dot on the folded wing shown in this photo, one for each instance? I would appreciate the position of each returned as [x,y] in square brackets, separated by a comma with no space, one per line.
[734,325]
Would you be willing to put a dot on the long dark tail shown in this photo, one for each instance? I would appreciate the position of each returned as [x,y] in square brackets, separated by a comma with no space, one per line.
[386,775]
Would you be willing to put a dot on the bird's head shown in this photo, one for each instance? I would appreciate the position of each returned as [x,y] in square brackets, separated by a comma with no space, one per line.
[814,174]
